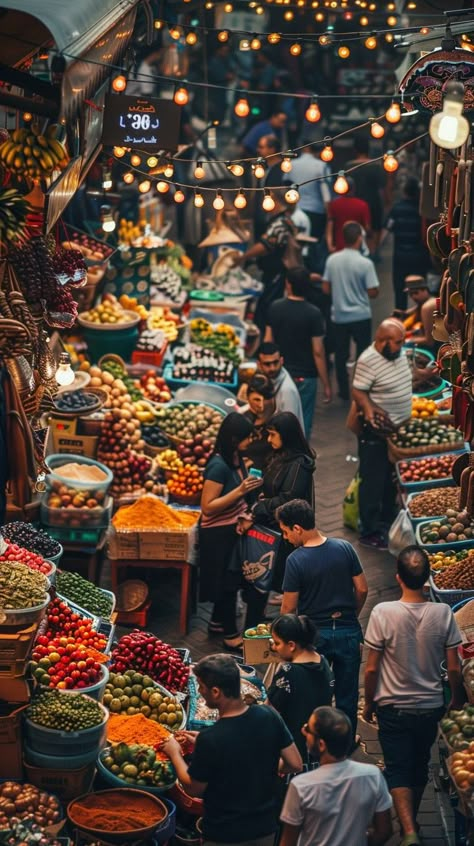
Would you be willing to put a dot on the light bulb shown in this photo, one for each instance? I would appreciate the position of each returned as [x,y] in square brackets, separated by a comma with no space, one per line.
[181,97]
[364,20]
[292,195]
[128,177]
[218,202]
[388,37]
[274,38]
[175,33]
[135,160]
[168,171]
[64,374]
[236,168]
[391,20]
[119,83]
[390,163]
[198,200]
[319,17]
[259,10]
[179,196]
[223,36]
[324,40]
[107,181]
[393,113]
[255,43]
[27,116]
[343,52]
[259,170]
[199,172]
[228,7]
[286,165]
[242,108]
[288,15]
[370,42]
[191,38]
[144,186]
[313,113]
[119,152]
[240,201]
[377,130]
[450,129]
[158,24]
[152,161]
[162,187]
[108,224]
[295,49]
[327,154]
[341,185]
[268,203]
[425,30]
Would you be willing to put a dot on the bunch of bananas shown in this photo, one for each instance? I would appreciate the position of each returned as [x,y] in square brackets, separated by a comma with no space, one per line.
[13,211]
[30,154]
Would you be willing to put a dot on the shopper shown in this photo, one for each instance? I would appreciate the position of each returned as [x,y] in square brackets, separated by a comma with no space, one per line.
[343,802]
[340,211]
[351,280]
[304,680]
[369,182]
[410,255]
[235,762]
[259,409]
[268,149]
[226,485]
[407,640]
[310,173]
[382,391]
[418,321]
[324,580]
[274,125]
[270,361]
[293,317]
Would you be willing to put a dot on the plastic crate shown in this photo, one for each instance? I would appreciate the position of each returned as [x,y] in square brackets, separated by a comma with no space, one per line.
[448,481]
[86,537]
[175,384]
[14,651]
[64,783]
[415,521]
[153,359]
[64,518]
[441,547]
[56,762]
[449,597]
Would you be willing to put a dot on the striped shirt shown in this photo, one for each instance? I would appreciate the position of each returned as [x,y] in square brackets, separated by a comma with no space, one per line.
[388,383]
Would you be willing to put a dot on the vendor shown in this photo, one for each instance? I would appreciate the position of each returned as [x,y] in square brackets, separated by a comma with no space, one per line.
[418,321]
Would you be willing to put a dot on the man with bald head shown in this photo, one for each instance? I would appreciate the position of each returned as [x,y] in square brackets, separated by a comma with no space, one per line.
[382,390]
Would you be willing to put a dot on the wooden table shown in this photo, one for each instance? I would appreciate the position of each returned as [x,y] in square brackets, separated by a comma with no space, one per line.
[184,567]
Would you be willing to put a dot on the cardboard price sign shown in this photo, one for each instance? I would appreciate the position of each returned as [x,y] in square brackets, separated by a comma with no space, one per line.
[142,123]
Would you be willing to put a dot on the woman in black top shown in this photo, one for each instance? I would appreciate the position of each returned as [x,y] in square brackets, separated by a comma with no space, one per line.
[304,680]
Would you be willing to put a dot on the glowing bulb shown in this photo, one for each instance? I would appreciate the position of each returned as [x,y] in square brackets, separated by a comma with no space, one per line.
[425,30]
[391,20]
[128,178]
[240,201]
[199,172]
[255,43]
[343,52]
[119,83]
[158,24]
[376,130]
[341,185]
[119,152]
[191,38]
[108,222]
[393,114]
[292,195]
[268,203]
[364,20]
[274,38]
[449,129]
[144,186]
[236,168]
[168,171]
[181,97]
[175,33]
[319,17]
[370,43]
[388,37]
[295,49]
[286,165]
[324,40]
[162,187]
[288,15]
[64,374]
[259,170]
[390,163]
[218,202]
[152,161]
[327,153]
[135,160]
[107,181]
[242,108]
[223,36]
[313,113]
[228,7]
[179,196]
[198,200]
[27,116]
[259,10]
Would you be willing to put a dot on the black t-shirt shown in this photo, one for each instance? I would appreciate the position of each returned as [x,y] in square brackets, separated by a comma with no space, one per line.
[238,759]
[322,576]
[294,324]
[296,690]
[405,222]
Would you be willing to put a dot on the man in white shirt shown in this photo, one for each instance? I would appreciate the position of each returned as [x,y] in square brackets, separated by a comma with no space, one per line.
[407,641]
[287,397]
[315,196]
[343,802]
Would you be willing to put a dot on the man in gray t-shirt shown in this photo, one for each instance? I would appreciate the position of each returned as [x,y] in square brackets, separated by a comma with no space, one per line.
[408,639]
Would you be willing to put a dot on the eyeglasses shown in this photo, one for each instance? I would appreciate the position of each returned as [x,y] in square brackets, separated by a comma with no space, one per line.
[307,730]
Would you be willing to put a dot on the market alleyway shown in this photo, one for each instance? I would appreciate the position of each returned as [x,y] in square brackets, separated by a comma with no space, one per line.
[336,449]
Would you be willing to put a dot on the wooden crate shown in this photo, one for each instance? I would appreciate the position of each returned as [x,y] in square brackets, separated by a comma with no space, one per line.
[166,545]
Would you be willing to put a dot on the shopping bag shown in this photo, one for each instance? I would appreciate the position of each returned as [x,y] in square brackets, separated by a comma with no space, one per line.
[259,550]
[350,505]
[401,533]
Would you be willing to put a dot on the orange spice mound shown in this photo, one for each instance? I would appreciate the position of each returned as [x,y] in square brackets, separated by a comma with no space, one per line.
[116,812]
[151,513]
[135,729]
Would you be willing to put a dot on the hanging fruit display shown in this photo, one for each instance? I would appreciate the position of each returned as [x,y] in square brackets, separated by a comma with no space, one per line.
[13,211]
[29,154]
[38,277]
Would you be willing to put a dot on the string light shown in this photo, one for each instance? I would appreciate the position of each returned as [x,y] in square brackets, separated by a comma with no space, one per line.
[274,38]
[390,163]
[388,37]
[327,153]
[259,169]
[27,116]
[128,177]
[288,15]
[319,17]
[199,172]
[295,49]
[236,168]
[179,196]
[228,7]
[240,201]
[376,130]
[168,171]
[162,187]
[259,10]
[223,36]
[135,160]
[324,40]
[292,195]
[313,113]
[181,96]
[119,152]
[218,203]
[119,83]
[286,165]
[391,20]
[393,113]
[370,42]
[425,30]
[268,203]
[152,161]
[144,186]
[255,43]
[175,33]
[65,374]
[198,200]
[158,24]
[341,185]
[343,52]
[364,21]
[191,38]
[242,108]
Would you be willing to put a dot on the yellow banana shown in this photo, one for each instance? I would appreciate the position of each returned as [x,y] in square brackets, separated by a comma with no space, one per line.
[42,141]
[56,149]
[51,131]
[11,155]
[46,161]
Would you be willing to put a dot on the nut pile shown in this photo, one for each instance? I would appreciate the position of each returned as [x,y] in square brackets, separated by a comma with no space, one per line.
[434,502]
[458,576]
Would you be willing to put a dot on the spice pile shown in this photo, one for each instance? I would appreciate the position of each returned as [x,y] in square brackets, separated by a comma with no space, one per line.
[150,513]
[116,812]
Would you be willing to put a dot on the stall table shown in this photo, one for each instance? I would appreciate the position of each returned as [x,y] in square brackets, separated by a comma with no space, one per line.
[184,567]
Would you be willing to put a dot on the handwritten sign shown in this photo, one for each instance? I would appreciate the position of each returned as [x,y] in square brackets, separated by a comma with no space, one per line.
[142,123]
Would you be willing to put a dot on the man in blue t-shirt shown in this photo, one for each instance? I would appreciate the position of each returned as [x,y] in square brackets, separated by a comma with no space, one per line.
[324,580]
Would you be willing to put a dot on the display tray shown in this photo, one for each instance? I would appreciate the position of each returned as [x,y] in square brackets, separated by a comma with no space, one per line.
[175,384]
[441,547]
[422,485]
[449,597]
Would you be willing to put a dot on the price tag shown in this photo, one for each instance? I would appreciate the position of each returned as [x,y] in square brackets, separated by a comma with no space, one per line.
[141,123]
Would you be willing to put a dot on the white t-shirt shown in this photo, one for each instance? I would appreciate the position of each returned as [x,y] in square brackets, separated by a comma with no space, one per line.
[287,396]
[350,276]
[388,383]
[335,804]
[413,638]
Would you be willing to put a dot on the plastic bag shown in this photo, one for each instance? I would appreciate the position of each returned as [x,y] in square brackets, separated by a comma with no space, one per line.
[259,551]
[401,533]
[350,505]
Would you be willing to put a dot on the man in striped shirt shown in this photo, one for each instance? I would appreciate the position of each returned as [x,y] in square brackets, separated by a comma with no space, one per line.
[382,390]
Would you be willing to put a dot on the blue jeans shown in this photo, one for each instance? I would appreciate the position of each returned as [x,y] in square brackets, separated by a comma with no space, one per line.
[307,387]
[341,644]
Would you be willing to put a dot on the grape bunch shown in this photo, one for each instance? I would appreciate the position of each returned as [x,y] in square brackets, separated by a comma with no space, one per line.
[61,309]
[70,267]
[35,270]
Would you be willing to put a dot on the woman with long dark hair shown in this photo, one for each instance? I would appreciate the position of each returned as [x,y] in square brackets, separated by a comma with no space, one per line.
[226,485]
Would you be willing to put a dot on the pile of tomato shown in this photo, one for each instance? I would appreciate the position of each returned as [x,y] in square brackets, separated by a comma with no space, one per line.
[62,621]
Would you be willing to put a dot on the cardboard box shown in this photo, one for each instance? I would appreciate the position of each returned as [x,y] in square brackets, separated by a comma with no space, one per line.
[257,651]
[79,445]
[159,545]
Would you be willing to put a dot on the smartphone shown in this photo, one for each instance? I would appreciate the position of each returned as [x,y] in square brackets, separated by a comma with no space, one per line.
[257,474]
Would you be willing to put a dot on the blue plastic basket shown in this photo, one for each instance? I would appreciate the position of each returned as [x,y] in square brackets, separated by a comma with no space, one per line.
[415,521]
[447,482]
[115,781]
[175,384]
[449,597]
[441,547]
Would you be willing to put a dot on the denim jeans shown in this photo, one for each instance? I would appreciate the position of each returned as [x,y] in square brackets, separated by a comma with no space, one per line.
[406,739]
[341,643]
[307,387]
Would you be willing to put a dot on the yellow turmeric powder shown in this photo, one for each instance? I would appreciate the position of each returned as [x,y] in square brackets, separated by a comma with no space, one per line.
[150,513]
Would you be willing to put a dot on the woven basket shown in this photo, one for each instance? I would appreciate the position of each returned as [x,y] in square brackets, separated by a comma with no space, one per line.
[396,453]
[112,357]
[131,595]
